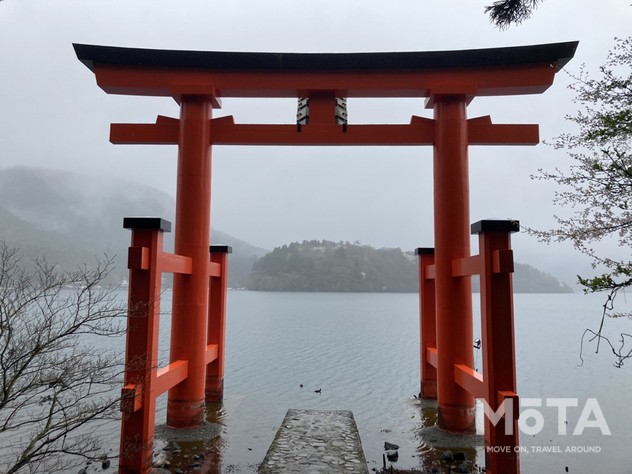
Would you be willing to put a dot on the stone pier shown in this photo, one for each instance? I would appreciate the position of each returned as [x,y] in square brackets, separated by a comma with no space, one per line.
[316,441]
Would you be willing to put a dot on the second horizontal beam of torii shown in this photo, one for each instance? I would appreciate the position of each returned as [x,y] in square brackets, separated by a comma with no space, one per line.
[420,131]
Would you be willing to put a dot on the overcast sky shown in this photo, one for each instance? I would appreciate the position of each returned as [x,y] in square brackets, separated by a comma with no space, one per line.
[53,115]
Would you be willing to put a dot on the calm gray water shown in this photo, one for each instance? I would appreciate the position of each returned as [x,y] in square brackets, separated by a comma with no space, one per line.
[362,352]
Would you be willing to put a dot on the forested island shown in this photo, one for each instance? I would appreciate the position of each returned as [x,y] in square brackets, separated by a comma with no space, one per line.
[321,265]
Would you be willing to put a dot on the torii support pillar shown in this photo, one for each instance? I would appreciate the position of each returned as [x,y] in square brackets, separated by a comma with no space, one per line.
[427,324]
[138,401]
[217,321]
[498,340]
[144,380]
[497,384]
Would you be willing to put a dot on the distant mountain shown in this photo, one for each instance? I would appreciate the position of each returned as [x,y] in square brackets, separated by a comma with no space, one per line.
[71,219]
[527,279]
[341,266]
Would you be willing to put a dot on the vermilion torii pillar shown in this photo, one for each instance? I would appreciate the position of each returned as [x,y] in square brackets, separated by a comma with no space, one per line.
[449,80]
[452,295]
[185,406]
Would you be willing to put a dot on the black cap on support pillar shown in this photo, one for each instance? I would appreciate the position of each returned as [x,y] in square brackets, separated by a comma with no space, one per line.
[147,223]
[221,249]
[424,251]
[495,225]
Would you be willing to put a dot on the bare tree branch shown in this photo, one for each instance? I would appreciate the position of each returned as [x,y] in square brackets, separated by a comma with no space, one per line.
[55,380]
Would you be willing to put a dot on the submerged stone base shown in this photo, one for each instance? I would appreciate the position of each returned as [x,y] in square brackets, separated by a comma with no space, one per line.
[316,441]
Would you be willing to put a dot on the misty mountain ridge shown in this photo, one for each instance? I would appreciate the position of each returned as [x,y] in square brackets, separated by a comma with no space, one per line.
[72,219]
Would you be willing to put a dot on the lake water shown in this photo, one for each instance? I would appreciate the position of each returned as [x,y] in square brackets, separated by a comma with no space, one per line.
[362,352]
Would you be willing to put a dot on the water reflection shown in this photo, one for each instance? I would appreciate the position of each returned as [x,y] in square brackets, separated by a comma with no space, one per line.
[197,449]
[440,451]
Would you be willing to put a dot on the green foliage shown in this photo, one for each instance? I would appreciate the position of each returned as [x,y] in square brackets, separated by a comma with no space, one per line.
[619,278]
[597,283]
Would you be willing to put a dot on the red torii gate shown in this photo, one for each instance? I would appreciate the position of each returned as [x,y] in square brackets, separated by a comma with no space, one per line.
[197,80]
